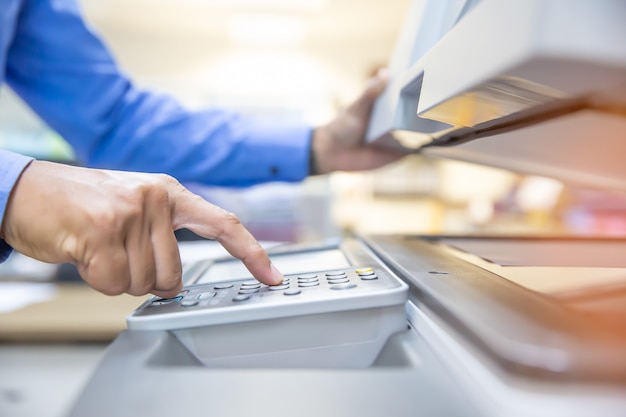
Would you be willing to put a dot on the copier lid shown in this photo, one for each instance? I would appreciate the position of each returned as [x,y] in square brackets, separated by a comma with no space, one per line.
[536,87]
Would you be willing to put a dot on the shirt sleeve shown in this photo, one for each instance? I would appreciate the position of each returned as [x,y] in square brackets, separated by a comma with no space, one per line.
[65,73]
[11,167]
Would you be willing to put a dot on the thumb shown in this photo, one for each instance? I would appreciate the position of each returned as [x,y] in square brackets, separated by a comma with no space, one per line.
[362,106]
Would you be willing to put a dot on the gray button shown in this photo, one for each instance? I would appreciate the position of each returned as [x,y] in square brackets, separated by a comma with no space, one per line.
[308,279]
[369,277]
[206,295]
[336,274]
[241,297]
[223,286]
[248,290]
[293,291]
[251,282]
[248,286]
[337,280]
[189,303]
[307,276]
[308,284]
[279,287]
[343,286]
[364,274]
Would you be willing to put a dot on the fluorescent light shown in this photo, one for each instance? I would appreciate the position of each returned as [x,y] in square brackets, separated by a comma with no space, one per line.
[267,4]
[266,29]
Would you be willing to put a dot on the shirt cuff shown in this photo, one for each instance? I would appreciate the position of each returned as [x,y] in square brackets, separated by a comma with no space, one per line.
[11,167]
[276,152]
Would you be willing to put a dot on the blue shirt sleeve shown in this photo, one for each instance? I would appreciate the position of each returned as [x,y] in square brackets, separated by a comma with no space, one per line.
[65,73]
[11,167]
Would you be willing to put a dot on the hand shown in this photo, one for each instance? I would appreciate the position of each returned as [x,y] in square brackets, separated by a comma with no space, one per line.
[118,227]
[340,144]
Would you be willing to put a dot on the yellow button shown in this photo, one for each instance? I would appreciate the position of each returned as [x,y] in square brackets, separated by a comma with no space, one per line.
[361,270]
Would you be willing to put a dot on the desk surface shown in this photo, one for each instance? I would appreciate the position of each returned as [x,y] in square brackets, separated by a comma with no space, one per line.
[75,312]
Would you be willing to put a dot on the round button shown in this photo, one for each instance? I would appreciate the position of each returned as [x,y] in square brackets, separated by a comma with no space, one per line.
[206,295]
[248,286]
[309,284]
[338,280]
[369,277]
[336,274]
[362,270]
[248,290]
[223,286]
[251,282]
[308,279]
[241,297]
[278,287]
[189,303]
[293,291]
[307,276]
[364,274]
[343,286]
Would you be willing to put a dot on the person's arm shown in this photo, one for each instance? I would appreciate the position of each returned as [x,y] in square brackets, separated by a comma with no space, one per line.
[65,73]
[117,227]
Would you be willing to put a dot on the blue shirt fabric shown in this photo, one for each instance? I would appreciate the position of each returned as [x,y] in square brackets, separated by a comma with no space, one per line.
[63,71]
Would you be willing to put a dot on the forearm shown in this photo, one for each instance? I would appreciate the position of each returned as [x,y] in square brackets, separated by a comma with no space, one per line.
[66,74]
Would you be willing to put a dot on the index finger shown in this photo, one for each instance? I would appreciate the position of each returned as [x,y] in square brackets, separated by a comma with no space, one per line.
[210,221]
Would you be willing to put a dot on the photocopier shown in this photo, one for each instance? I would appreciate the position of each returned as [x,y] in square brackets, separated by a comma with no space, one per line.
[395,325]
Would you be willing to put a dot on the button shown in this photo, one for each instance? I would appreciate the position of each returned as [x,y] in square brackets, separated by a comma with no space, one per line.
[362,270]
[343,286]
[248,286]
[251,282]
[241,297]
[206,295]
[338,280]
[369,277]
[293,291]
[308,284]
[248,290]
[336,274]
[162,301]
[223,286]
[189,303]
[308,279]
[307,276]
[364,274]
[278,287]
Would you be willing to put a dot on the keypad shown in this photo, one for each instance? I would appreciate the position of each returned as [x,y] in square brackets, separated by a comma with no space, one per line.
[251,290]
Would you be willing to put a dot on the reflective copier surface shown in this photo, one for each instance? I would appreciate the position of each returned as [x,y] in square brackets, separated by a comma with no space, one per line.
[473,342]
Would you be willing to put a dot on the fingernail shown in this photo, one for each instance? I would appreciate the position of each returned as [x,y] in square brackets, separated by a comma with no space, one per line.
[278,276]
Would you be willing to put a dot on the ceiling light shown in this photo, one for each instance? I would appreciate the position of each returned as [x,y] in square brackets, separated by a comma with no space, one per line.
[266,29]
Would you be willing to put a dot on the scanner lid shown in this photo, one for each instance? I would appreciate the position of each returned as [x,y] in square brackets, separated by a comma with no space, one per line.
[536,87]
